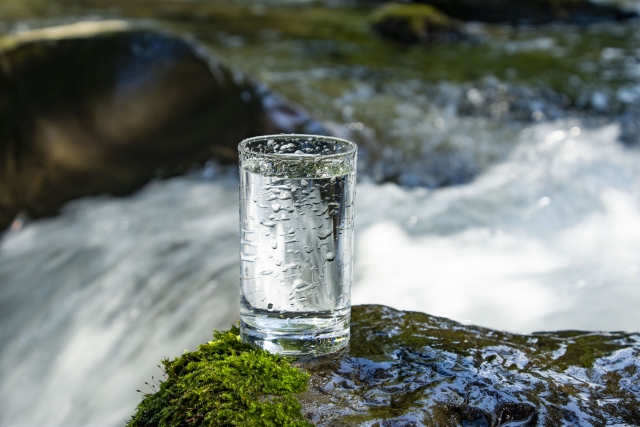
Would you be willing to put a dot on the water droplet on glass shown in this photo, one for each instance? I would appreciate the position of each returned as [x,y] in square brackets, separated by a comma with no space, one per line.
[270,306]
[324,234]
[330,256]
[276,207]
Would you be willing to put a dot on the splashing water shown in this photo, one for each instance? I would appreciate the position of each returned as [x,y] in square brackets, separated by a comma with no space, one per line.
[547,239]
[90,299]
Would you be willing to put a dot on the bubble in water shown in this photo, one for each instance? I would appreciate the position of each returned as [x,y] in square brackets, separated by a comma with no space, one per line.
[287,147]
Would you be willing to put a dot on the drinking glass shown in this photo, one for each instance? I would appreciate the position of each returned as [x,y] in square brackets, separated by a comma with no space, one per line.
[296,242]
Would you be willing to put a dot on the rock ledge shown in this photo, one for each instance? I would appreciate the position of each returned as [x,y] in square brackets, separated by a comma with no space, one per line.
[413,369]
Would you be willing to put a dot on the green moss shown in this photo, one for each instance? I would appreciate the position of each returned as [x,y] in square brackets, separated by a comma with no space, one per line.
[225,382]
[418,329]
[418,15]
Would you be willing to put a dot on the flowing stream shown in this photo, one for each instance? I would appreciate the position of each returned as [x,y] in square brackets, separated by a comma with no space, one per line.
[541,232]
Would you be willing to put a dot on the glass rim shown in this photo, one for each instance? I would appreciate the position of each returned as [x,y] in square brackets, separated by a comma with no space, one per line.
[352,147]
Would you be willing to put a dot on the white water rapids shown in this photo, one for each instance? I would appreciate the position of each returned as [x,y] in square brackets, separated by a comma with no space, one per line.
[91,299]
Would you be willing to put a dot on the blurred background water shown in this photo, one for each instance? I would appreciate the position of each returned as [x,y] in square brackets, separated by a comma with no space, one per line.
[499,185]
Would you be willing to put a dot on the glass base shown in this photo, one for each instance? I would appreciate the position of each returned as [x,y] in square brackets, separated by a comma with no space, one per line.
[296,334]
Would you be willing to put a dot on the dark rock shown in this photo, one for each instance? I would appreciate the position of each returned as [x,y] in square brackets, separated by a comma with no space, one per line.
[103,107]
[413,369]
[531,12]
[412,23]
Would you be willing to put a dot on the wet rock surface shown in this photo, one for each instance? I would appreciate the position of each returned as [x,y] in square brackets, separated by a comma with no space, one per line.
[413,369]
[104,106]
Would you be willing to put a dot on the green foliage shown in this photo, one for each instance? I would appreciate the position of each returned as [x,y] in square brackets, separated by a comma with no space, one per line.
[225,383]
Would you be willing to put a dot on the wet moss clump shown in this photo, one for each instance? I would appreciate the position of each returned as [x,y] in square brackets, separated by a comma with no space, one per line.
[225,382]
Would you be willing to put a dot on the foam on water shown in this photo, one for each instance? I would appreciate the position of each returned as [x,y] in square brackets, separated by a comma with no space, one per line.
[547,239]
[91,300]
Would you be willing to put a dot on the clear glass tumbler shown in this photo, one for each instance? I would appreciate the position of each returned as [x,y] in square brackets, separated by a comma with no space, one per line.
[296,242]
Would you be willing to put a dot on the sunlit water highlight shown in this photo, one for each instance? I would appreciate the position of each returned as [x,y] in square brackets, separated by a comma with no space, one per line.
[548,239]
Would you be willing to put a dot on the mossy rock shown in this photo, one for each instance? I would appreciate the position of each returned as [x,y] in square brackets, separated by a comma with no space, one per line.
[223,383]
[411,23]
[104,106]
[407,369]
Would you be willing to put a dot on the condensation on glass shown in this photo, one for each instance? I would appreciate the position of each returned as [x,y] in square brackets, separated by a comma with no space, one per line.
[296,242]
